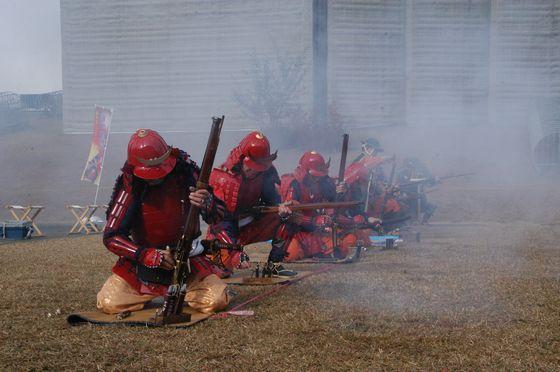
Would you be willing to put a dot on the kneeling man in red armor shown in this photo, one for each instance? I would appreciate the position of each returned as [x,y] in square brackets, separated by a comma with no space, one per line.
[365,175]
[146,215]
[309,230]
[246,179]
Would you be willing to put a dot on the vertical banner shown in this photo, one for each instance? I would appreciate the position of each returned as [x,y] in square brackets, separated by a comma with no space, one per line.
[101,126]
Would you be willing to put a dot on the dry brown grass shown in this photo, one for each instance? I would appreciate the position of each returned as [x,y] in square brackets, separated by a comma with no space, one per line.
[467,297]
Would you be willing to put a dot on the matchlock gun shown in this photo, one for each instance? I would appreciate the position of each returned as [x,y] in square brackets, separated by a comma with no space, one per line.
[172,310]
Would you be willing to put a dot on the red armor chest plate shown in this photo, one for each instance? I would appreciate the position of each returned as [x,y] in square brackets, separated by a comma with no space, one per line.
[226,187]
[162,214]
[307,194]
[310,194]
[249,192]
[359,171]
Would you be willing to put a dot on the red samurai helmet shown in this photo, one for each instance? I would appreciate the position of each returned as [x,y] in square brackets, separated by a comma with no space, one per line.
[255,150]
[150,155]
[314,164]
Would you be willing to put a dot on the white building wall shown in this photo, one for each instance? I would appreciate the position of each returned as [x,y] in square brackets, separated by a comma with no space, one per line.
[366,65]
[447,62]
[526,57]
[171,64]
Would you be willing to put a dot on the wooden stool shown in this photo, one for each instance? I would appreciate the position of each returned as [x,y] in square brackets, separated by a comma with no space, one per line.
[28,213]
[83,215]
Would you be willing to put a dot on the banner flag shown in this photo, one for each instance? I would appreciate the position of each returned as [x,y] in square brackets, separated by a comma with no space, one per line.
[101,126]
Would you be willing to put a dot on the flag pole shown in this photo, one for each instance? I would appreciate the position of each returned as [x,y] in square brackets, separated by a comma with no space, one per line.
[103,160]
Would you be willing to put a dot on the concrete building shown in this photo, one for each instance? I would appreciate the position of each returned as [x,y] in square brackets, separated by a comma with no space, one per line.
[174,63]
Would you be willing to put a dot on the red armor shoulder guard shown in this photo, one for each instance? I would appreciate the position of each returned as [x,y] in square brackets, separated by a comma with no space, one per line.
[226,187]
[371,161]
[293,188]
[355,172]
[299,174]
[121,200]
[359,170]
[233,158]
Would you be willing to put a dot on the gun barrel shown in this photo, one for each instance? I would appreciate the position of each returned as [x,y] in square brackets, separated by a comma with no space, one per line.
[174,299]
[309,206]
[185,243]
[416,181]
[457,175]
[344,153]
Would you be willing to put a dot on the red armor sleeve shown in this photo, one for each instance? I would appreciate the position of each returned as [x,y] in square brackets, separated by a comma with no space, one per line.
[322,221]
[302,220]
[345,221]
[355,172]
[233,158]
[119,217]
[121,246]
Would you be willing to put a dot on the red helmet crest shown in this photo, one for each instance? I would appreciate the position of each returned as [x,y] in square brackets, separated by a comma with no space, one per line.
[150,155]
[314,163]
[255,150]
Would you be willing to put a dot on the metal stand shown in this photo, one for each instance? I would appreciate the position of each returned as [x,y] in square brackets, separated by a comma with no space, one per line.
[28,213]
[83,215]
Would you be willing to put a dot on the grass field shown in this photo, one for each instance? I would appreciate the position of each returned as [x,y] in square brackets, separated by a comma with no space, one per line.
[469,296]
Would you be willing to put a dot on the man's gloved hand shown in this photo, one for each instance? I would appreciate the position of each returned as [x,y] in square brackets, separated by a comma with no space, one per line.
[284,209]
[200,198]
[341,188]
[157,258]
